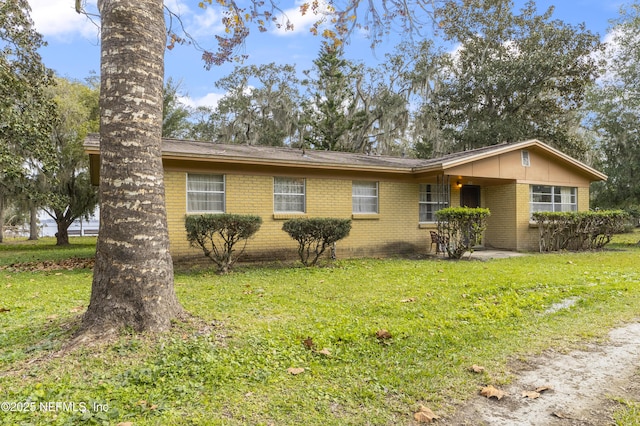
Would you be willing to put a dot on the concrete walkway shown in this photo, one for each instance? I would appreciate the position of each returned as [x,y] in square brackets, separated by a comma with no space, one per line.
[486,254]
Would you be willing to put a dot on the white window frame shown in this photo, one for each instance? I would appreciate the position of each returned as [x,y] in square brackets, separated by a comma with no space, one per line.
[280,196]
[356,206]
[221,194]
[430,196]
[549,198]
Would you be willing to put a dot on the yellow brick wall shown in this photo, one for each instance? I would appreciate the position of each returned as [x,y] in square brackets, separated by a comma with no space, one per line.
[501,202]
[394,230]
[583,199]
[528,235]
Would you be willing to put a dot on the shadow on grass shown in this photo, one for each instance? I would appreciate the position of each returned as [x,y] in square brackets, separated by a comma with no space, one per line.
[35,342]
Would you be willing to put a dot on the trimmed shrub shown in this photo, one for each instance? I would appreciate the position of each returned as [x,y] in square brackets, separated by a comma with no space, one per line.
[314,235]
[218,234]
[578,230]
[461,228]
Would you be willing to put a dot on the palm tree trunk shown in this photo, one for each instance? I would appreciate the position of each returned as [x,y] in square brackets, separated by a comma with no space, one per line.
[133,275]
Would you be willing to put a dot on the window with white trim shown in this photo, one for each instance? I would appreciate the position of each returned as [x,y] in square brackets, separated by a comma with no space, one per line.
[526,160]
[364,197]
[205,193]
[432,198]
[545,198]
[288,195]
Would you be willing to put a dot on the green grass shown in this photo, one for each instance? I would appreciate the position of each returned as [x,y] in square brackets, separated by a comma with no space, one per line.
[14,250]
[230,365]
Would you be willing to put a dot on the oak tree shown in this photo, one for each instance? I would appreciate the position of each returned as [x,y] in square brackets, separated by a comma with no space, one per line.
[67,190]
[25,108]
[514,76]
[614,113]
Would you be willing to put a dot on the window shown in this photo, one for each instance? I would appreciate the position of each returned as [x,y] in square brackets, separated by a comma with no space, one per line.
[288,195]
[553,198]
[526,161]
[205,193]
[365,197]
[432,198]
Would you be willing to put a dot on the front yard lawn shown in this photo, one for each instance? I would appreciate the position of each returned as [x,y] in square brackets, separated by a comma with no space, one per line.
[293,346]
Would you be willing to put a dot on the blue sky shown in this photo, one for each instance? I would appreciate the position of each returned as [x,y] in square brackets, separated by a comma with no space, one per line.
[73,49]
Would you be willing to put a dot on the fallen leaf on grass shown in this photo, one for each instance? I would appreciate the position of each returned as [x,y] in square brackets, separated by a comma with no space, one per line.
[77,309]
[492,392]
[425,415]
[3,310]
[308,343]
[476,368]
[125,424]
[383,334]
[409,300]
[325,352]
[50,265]
[295,370]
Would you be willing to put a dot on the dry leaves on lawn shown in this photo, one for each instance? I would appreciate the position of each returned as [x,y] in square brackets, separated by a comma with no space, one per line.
[383,334]
[492,392]
[425,415]
[51,265]
[295,370]
[308,343]
[476,368]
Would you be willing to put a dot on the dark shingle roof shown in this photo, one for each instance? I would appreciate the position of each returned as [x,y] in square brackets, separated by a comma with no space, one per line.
[248,154]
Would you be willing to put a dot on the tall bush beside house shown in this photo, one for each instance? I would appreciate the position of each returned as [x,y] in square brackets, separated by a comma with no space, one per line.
[462,228]
[218,234]
[314,235]
[578,230]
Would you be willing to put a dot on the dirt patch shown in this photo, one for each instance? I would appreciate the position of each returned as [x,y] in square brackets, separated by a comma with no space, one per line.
[585,385]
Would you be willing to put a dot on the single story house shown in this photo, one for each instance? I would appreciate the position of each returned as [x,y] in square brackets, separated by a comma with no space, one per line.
[391,200]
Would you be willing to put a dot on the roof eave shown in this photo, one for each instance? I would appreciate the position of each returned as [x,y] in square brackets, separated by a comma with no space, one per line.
[286,163]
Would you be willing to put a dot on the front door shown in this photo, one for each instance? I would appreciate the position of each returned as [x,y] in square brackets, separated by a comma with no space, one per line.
[470,196]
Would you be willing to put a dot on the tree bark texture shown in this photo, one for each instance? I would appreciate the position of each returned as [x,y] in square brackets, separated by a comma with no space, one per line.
[33,222]
[2,207]
[133,275]
[62,235]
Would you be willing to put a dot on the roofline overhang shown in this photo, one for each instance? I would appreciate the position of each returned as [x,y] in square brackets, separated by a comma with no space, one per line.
[285,163]
[169,155]
[444,165]
[437,167]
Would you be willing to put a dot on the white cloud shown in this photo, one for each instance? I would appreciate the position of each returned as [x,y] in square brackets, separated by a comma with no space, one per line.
[208,100]
[58,19]
[301,23]
[206,22]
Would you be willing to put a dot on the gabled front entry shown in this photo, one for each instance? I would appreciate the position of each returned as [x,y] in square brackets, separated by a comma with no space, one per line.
[470,196]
